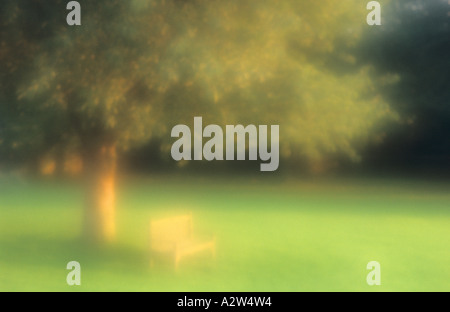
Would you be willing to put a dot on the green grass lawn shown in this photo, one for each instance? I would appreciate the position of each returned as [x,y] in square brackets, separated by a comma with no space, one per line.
[271,236]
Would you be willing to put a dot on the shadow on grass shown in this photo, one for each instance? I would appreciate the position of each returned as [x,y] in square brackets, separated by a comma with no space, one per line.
[33,251]
[28,250]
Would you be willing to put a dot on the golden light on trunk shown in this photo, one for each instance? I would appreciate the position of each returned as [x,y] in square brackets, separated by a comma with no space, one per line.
[100,223]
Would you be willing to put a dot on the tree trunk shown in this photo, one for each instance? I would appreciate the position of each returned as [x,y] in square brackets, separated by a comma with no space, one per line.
[100,222]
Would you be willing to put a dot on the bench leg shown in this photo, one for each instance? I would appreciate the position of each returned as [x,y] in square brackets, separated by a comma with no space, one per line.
[213,248]
[177,261]
[152,263]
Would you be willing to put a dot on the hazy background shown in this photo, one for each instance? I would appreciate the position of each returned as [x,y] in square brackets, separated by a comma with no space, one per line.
[85,120]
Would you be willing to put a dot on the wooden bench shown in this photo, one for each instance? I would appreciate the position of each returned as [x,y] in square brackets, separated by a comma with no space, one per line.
[173,238]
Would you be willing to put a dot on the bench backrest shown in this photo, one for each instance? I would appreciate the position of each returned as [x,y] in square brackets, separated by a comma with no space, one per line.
[166,233]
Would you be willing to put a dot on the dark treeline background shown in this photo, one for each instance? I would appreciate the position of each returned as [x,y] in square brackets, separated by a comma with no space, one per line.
[415,43]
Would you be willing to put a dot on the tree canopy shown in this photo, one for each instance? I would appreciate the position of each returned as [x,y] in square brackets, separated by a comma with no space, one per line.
[136,68]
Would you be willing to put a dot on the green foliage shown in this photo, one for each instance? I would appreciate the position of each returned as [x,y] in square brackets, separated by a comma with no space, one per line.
[136,68]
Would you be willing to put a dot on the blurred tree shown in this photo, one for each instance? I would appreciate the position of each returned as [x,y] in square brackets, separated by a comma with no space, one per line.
[21,33]
[136,68]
